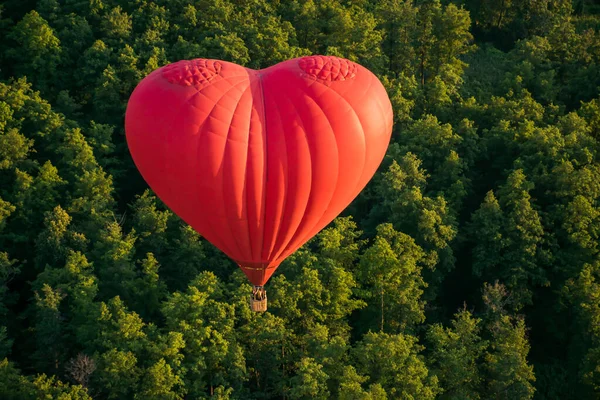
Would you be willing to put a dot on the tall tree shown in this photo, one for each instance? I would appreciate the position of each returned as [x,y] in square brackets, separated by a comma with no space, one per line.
[39,51]
[393,361]
[456,355]
[391,268]
[510,239]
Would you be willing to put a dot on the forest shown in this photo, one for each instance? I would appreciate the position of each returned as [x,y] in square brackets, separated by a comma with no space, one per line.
[468,268]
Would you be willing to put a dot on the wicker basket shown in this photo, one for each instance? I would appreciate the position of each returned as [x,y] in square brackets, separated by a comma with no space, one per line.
[258,305]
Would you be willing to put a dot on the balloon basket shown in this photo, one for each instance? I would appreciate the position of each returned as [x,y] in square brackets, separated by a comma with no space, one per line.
[258,299]
[258,305]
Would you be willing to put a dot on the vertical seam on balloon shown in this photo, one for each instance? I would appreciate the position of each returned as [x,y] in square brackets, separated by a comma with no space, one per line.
[263,195]
[310,155]
[285,183]
[246,169]
[266,155]
[294,236]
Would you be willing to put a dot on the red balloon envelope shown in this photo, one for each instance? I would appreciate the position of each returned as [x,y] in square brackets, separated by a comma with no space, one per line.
[258,162]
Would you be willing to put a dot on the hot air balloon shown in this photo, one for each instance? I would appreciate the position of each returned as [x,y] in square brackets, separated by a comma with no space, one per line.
[258,161]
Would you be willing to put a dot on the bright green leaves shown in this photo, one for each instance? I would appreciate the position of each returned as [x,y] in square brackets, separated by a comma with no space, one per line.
[426,219]
[426,42]
[19,387]
[14,148]
[228,47]
[160,383]
[211,355]
[117,373]
[150,223]
[116,24]
[39,51]
[341,243]
[310,381]
[391,269]
[114,254]
[456,356]
[393,361]
[351,387]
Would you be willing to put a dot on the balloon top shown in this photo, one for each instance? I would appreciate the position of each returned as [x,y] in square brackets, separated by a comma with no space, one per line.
[328,68]
[191,72]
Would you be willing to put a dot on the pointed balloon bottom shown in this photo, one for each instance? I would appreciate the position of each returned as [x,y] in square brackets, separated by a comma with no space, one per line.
[258,273]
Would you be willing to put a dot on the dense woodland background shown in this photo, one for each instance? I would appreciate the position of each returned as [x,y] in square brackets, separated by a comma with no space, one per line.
[468,269]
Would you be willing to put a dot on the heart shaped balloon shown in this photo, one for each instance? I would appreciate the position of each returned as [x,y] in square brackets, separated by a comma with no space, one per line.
[259,161]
